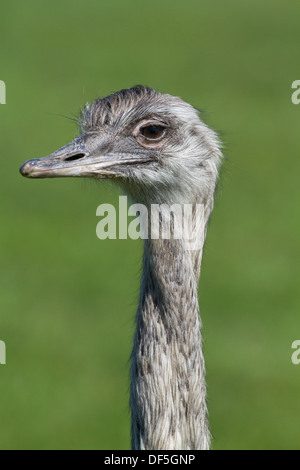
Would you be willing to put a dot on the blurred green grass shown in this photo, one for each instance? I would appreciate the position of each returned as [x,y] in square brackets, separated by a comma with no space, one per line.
[67,300]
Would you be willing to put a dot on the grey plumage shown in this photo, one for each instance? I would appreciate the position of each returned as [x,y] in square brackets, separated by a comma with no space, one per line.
[178,166]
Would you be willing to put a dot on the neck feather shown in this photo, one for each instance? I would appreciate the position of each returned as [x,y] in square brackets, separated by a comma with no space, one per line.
[168,391]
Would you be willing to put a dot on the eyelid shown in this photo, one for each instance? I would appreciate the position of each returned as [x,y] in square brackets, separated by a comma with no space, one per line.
[151,122]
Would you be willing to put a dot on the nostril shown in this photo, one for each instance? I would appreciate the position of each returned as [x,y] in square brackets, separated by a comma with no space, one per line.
[77,156]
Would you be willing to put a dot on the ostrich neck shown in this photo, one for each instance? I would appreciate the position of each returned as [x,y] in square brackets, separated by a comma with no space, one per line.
[168,391]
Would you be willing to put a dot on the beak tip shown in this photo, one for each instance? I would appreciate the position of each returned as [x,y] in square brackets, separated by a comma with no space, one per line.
[27,168]
[24,170]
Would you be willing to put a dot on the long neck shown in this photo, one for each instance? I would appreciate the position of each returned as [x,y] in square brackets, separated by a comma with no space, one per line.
[168,390]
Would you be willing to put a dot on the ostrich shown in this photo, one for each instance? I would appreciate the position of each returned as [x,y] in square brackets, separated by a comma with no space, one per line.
[158,150]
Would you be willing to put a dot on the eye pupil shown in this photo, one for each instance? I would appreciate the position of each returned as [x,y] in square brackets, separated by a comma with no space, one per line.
[153,132]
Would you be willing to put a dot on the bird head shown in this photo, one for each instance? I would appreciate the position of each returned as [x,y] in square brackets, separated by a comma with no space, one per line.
[153,144]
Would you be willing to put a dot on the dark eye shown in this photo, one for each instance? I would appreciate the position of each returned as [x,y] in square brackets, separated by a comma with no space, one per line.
[153,132]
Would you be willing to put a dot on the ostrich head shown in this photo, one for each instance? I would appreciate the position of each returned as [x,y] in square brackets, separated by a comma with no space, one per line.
[153,144]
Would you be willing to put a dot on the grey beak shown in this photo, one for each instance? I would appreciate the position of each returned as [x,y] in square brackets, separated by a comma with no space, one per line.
[82,157]
[85,156]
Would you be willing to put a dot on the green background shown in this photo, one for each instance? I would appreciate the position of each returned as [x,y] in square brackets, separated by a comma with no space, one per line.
[67,299]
